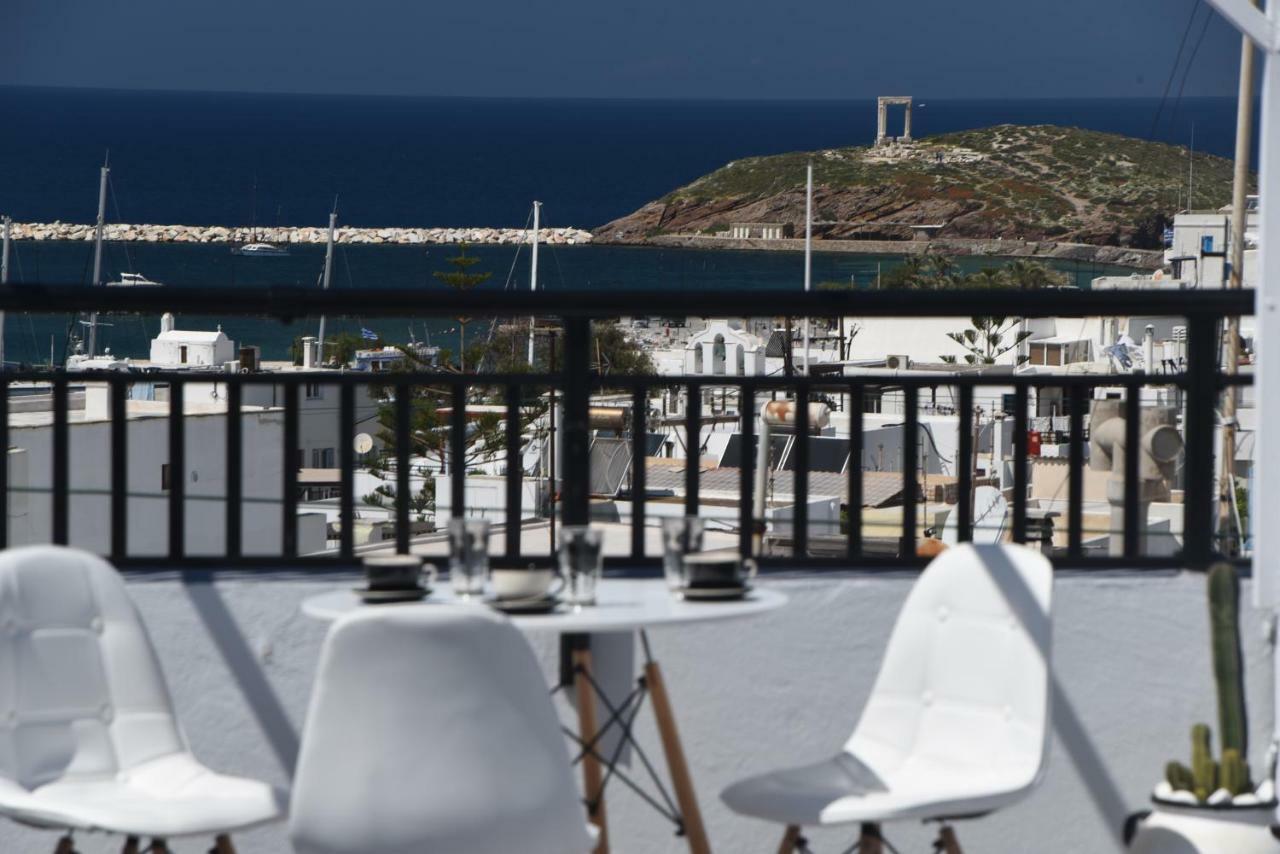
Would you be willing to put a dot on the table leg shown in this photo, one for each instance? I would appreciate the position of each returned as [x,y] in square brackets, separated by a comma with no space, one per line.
[592,779]
[679,768]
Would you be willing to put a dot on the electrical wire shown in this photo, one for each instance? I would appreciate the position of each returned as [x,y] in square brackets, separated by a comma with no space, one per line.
[1173,72]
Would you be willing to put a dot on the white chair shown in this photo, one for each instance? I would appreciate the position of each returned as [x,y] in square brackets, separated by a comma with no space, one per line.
[431,731]
[957,724]
[88,737]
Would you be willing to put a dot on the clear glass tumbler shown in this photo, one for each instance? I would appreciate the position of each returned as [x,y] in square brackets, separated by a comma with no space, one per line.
[681,535]
[581,558]
[468,556]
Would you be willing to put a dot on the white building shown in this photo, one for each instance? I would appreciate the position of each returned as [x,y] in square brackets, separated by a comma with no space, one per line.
[181,348]
[1197,249]
[150,476]
[724,348]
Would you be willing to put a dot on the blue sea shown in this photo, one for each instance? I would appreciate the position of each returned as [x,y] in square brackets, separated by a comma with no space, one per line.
[233,159]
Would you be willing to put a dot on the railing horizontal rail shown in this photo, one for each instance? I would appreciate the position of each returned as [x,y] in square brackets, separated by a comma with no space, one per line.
[288,303]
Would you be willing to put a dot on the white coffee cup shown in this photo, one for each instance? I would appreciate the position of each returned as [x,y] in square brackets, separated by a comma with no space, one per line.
[528,582]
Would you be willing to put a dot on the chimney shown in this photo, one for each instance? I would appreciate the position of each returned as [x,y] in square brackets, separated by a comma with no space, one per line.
[308,352]
[166,322]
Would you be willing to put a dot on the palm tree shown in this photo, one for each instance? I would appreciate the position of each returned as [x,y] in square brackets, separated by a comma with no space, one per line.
[1032,274]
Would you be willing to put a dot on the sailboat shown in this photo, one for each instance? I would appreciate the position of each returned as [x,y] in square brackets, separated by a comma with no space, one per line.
[256,248]
[134,280]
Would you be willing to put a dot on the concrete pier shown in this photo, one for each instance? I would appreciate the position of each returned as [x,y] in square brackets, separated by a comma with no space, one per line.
[293,235]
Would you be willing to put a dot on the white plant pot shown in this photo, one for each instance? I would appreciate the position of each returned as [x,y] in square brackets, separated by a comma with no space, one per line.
[1202,829]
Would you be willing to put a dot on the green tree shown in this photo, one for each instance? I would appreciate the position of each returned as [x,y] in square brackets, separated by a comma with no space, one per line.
[462,278]
[1029,275]
[987,340]
[342,347]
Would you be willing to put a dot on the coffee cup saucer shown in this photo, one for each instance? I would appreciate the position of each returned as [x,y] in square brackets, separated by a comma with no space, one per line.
[395,594]
[541,604]
[715,593]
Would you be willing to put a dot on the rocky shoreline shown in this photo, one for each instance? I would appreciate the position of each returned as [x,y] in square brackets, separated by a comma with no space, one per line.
[293,235]
[1121,256]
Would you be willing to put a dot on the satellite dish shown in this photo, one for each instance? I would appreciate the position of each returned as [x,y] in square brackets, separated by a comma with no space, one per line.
[363,443]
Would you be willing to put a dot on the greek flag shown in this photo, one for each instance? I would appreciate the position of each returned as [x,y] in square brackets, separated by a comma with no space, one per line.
[368,334]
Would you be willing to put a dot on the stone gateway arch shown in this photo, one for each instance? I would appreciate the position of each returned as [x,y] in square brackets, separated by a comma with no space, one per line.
[882,114]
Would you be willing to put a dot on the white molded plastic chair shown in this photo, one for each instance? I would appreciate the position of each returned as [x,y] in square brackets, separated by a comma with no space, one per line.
[431,730]
[88,737]
[957,724]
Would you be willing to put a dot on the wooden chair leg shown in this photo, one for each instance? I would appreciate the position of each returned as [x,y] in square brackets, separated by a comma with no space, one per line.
[130,845]
[947,842]
[222,845]
[790,840]
[869,839]
[681,781]
[65,846]
[592,774]
[158,846]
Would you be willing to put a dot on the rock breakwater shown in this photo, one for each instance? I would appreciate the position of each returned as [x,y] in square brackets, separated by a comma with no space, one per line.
[294,235]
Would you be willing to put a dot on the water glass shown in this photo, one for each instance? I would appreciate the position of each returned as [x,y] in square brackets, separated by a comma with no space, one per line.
[581,558]
[681,535]
[468,556]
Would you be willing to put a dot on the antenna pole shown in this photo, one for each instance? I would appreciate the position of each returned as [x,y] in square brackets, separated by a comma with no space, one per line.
[328,271]
[808,253]
[97,254]
[533,273]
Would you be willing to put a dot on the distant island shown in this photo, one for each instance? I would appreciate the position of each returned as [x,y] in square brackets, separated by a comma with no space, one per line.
[1051,187]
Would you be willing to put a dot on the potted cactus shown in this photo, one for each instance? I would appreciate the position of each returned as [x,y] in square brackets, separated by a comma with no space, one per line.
[1212,805]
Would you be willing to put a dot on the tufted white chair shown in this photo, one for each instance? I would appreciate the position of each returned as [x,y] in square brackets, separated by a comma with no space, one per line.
[88,737]
[957,724]
[431,730]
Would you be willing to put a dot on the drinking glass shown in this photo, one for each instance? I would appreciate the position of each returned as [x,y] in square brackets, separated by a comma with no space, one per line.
[680,536]
[581,558]
[468,556]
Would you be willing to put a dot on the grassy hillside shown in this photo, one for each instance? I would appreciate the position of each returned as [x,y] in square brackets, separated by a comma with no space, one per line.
[1011,182]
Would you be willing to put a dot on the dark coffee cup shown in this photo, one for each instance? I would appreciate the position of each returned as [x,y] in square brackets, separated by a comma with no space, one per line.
[720,568]
[393,572]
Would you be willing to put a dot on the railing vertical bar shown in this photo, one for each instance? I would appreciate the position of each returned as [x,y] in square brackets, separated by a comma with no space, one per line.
[403,427]
[1201,409]
[119,468]
[289,482]
[1020,464]
[177,470]
[515,473]
[964,463]
[4,460]
[747,521]
[235,467]
[1075,471]
[800,476]
[854,502]
[575,473]
[693,448]
[910,459]
[347,464]
[639,451]
[458,451]
[1132,424]
[61,464]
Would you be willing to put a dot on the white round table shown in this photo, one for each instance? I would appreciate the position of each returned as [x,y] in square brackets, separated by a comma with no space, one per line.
[624,606]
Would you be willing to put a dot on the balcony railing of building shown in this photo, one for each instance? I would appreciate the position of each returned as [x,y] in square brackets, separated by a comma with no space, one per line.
[1200,386]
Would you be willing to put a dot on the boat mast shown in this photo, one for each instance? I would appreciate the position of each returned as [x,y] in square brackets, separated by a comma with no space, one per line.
[328,270]
[808,252]
[4,280]
[97,252]
[533,274]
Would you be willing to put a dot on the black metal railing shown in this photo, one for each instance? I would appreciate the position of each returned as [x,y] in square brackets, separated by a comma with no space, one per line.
[1201,384]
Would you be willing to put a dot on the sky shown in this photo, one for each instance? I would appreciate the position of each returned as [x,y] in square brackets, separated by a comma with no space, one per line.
[621,48]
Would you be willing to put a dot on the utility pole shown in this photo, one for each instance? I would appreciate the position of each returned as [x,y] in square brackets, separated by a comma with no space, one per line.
[808,253]
[1239,225]
[4,280]
[97,252]
[328,272]
[533,273]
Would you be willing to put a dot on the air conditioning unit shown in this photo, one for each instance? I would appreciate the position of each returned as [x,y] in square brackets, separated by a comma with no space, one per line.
[897,363]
